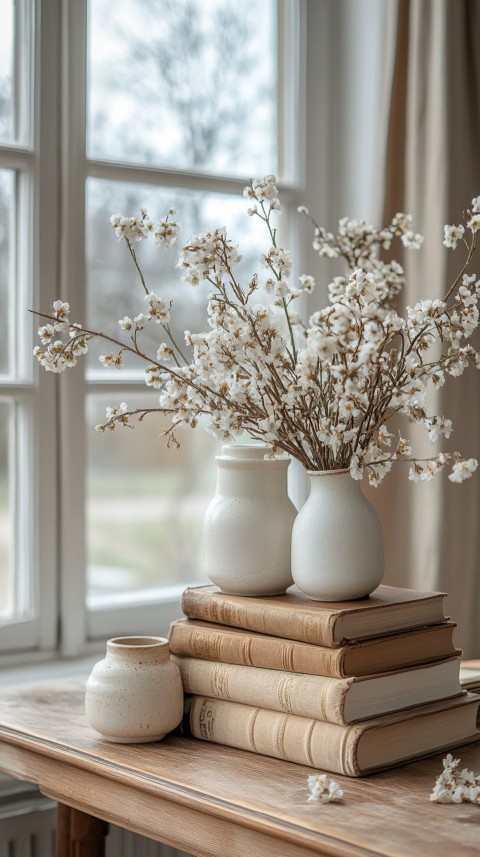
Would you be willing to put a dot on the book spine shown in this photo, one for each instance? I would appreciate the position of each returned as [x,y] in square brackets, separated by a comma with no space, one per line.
[307,696]
[324,746]
[303,625]
[272,653]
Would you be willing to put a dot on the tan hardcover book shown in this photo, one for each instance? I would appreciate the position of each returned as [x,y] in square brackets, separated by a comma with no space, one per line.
[196,639]
[336,700]
[350,750]
[296,617]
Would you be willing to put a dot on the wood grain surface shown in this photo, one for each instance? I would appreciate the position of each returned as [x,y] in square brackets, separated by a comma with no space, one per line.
[214,801]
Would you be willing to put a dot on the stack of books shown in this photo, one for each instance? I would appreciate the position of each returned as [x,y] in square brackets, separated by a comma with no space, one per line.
[348,687]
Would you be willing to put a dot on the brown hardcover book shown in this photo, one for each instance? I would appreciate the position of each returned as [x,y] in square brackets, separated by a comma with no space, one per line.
[349,750]
[196,639]
[296,617]
[336,700]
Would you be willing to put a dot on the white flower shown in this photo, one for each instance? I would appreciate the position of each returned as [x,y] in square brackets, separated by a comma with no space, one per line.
[114,416]
[46,333]
[281,288]
[154,377]
[165,231]
[262,189]
[323,789]
[384,436]
[131,228]
[462,470]
[277,260]
[454,786]
[140,321]
[412,240]
[356,468]
[347,409]
[450,762]
[164,352]
[113,412]
[125,323]
[416,472]
[208,255]
[112,360]
[438,378]
[453,234]
[403,447]
[157,309]
[474,222]
[437,426]
[307,283]
[61,309]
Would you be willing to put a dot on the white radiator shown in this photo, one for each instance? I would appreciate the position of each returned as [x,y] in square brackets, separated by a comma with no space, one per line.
[27,829]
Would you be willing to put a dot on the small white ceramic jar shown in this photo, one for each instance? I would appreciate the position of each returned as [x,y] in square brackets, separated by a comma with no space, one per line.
[135,694]
[248,524]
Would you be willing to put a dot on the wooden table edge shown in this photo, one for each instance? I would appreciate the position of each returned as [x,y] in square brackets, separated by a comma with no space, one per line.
[193,801]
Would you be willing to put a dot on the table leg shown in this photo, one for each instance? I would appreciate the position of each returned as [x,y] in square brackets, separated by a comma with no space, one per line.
[79,834]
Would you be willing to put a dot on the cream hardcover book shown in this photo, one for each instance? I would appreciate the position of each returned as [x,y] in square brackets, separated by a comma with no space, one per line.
[331,699]
[349,750]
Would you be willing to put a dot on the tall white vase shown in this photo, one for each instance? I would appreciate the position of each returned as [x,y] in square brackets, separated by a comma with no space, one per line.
[337,542]
[248,524]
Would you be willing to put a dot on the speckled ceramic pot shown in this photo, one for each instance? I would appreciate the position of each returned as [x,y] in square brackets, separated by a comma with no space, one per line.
[135,695]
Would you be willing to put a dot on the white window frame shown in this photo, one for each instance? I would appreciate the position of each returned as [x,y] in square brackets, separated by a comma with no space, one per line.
[34,466]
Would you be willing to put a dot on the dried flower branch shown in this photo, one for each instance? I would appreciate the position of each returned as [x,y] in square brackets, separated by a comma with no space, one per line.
[454,785]
[322,392]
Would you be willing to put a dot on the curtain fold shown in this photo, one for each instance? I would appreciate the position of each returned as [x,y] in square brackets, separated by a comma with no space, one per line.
[431,169]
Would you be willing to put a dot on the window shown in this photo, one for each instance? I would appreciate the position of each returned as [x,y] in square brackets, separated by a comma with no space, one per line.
[28,608]
[162,103]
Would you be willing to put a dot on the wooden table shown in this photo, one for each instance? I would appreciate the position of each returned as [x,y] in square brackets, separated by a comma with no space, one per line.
[217,802]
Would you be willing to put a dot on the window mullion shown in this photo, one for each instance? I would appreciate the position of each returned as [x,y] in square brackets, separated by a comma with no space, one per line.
[16,157]
[140,174]
[291,90]
[45,227]
[21,469]
[72,277]
[24,38]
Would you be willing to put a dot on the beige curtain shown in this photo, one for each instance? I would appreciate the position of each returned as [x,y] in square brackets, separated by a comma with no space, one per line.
[431,160]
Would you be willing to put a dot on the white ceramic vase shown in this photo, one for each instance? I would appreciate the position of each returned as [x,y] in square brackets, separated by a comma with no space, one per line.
[135,694]
[248,524]
[337,542]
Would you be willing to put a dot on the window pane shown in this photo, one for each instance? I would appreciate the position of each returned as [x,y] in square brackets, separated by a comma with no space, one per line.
[7,590]
[113,286]
[6,70]
[184,83]
[7,178]
[145,503]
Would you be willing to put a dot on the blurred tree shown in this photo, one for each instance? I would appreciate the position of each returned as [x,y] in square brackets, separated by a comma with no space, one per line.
[183,83]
